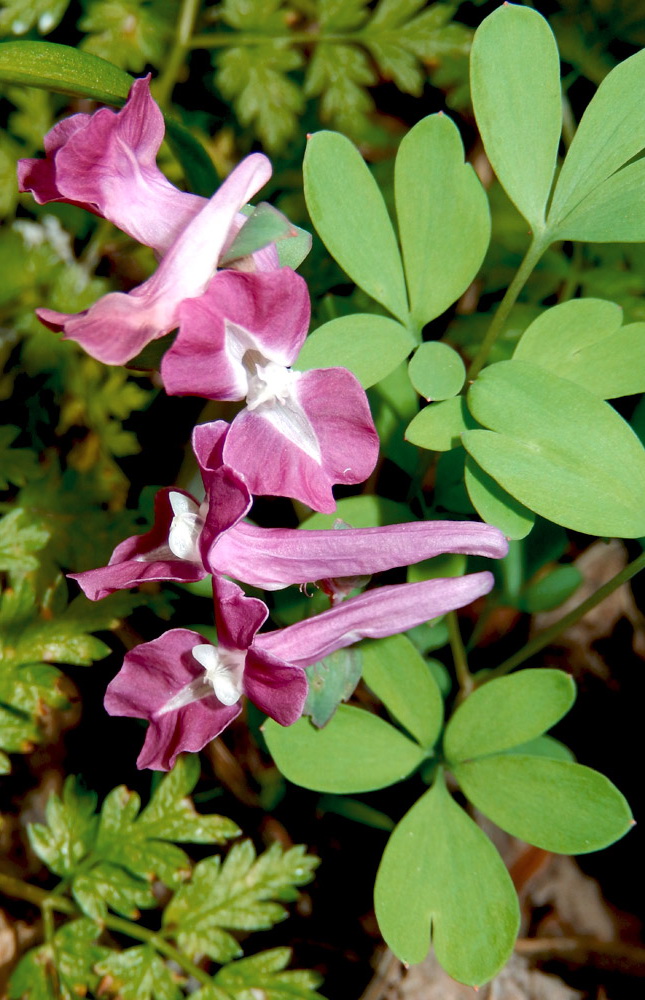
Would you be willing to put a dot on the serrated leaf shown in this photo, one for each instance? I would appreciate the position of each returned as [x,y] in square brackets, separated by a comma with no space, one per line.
[18,539]
[441,875]
[63,969]
[355,752]
[400,677]
[339,75]
[263,974]
[17,17]
[515,85]
[436,192]
[350,216]
[244,892]
[70,831]
[127,33]
[584,340]
[369,346]
[138,974]
[557,805]
[522,706]
[17,465]
[255,79]
[110,886]
[558,449]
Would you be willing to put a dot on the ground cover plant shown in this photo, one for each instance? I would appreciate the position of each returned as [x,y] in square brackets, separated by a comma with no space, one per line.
[314,462]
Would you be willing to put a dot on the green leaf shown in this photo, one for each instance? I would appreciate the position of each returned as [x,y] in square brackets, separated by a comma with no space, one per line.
[515,86]
[544,746]
[610,134]
[63,69]
[128,33]
[350,216]
[552,590]
[254,78]
[17,465]
[440,873]
[508,711]
[70,830]
[246,892]
[293,251]
[264,225]
[262,975]
[355,752]
[438,427]
[401,678]
[331,681]
[17,17]
[139,974]
[583,340]
[63,969]
[18,539]
[370,346]
[494,505]
[558,449]
[556,805]
[436,371]
[437,193]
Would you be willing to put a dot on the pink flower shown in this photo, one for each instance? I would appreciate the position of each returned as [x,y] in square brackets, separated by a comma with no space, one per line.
[189,690]
[190,538]
[301,432]
[119,325]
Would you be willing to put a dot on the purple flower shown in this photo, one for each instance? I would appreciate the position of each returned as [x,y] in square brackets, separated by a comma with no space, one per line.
[189,690]
[116,328]
[184,530]
[301,432]
[190,539]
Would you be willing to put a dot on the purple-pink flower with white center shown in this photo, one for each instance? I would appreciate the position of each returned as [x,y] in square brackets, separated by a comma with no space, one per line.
[184,530]
[190,539]
[301,432]
[117,327]
[189,690]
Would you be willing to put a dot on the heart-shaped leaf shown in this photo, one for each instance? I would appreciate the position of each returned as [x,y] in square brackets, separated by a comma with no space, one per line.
[508,711]
[399,676]
[443,216]
[558,449]
[555,804]
[515,85]
[355,752]
[583,340]
[440,874]
[350,216]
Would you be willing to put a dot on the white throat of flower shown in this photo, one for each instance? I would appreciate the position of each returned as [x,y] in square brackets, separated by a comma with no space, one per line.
[185,528]
[223,672]
[272,393]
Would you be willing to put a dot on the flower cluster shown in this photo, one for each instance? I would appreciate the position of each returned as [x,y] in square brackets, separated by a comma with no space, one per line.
[241,322]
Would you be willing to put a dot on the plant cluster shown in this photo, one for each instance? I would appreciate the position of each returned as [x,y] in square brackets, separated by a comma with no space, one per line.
[445,413]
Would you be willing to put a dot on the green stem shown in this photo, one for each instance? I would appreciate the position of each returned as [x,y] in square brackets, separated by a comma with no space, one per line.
[549,634]
[18,889]
[464,676]
[533,254]
[222,39]
[183,33]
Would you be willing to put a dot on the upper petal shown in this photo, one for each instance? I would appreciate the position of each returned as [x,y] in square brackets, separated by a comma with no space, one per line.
[279,689]
[272,558]
[237,616]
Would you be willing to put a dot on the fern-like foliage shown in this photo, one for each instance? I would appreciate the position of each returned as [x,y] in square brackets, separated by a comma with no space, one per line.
[338,52]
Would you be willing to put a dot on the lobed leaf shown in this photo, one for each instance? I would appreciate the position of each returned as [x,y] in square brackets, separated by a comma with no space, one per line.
[440,875]
[138,973]
[263,974]
[369,346]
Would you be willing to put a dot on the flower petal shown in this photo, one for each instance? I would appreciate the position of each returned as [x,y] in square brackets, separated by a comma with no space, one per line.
[141,558]
[272,558]
[279,689]
[267,312]
[151,675]
[119,325]
[372,615]
[228,497]
[237,616]
[333,414]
